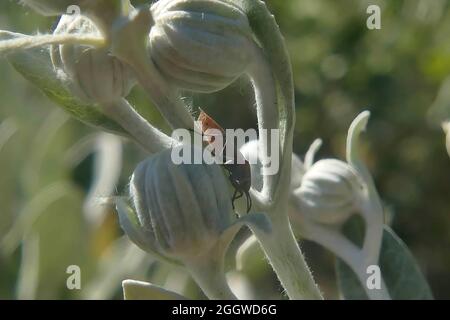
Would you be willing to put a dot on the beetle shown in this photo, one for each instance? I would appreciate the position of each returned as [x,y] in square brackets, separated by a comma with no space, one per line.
[239,173]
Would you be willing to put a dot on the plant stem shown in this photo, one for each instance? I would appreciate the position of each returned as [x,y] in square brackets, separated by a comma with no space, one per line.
[150,138]
[353,256]
[208,273]
[280,245]
[23,42]
[284,254]
[268,114]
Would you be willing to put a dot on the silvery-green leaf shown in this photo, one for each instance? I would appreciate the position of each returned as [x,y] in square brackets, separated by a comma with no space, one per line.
[35,65]
[138,290]
[398,267]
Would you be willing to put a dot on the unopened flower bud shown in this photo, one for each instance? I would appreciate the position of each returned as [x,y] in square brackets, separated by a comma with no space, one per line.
[92,74]
[200,45]
[328,192]
[186,206]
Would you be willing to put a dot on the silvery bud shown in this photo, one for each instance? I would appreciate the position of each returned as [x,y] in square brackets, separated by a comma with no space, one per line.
[329,192]
[92,74]
[200,45]
[184,211]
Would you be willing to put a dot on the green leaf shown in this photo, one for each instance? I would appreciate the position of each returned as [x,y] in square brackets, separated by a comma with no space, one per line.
[398,267]
[35,65]
[138,290]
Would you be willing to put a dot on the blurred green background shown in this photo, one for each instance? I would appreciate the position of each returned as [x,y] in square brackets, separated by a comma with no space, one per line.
[51,185]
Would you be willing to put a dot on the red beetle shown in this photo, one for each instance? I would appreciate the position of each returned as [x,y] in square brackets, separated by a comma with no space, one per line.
[239,173]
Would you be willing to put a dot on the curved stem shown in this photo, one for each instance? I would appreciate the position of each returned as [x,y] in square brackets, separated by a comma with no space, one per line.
[268,117]
[353,256]
[311,153]
[372,214]
[371,208]
[273,45]
[283,252]
[150,138]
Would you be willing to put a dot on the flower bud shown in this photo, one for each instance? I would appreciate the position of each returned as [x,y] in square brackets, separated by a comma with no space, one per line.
[328,192]
[200,45]
[92,74]
[183,211]
[186,206]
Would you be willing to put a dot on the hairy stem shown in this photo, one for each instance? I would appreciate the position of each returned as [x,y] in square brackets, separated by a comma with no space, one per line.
[353,256]
[23,42]
[268,117]
[208,273]
[150,138]
[283,253]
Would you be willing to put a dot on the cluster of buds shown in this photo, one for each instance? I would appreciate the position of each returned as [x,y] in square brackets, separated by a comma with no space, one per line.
[183,213]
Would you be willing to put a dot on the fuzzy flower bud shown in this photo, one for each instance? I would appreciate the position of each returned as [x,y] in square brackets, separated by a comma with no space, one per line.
[183,211]
[184,216]
[92,74]
[200,45]
[328,192]
[185,207]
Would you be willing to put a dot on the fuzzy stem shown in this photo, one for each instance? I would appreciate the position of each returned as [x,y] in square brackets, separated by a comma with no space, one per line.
[370,204]
[150,138]
[271,74]
[208,273]
[23,42]
[283,253]
[274,47]
[353,256]
[268,116]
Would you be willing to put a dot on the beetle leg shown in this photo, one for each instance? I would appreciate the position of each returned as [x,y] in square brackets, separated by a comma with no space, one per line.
[237,195]
[249,201]
[234,197]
